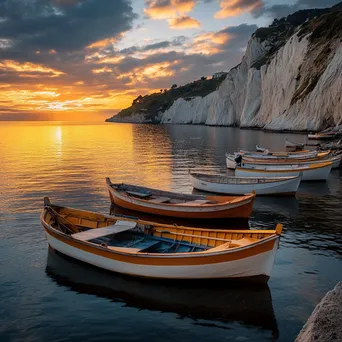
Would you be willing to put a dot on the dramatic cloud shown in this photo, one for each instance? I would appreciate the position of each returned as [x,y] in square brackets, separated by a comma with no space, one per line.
[283,10]
[184,22]
[63,25]
[202,56]
[231,8]
[27,69]
[84,55]
[165,9]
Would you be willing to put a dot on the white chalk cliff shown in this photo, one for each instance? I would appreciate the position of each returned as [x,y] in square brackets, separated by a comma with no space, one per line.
[290,78]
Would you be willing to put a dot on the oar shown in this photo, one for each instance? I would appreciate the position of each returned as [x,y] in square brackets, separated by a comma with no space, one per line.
[61,220]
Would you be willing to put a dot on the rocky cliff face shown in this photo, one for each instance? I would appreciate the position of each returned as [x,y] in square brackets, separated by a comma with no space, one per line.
[289,79]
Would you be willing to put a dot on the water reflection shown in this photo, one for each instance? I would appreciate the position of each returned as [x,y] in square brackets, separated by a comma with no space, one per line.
[215,301]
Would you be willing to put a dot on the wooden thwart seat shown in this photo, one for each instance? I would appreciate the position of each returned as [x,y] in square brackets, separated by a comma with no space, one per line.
[118,227]
[233,244]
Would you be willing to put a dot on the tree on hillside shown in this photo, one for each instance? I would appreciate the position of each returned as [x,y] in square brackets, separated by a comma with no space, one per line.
[174,86]
[138,100]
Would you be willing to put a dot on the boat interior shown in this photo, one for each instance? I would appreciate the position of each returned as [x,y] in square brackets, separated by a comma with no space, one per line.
[160,196]
[133,236]
[239,180]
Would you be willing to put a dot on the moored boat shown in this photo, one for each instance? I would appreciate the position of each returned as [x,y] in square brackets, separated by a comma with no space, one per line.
[314,172]
[295,145]
[276,153]
[173,204]
[279,157]
[335,160]
[259,148]
[145,249]
[242,185]
[321,136]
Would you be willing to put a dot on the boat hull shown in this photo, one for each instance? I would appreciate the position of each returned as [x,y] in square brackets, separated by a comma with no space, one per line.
[309,174]
[286,187]
[230,160]
[321,136]
[336,161]
[241,210]
[249,262]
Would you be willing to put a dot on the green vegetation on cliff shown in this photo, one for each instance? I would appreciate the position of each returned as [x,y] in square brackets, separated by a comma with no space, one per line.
[282,29]
[151,105]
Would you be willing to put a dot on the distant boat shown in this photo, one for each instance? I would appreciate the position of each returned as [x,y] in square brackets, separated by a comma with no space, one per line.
[275,153]
[242,185]
[173,204]
[305,155]
[146,249]
[322,136]
[251,159]
[260,149]
[336,161]
[291,144]
[315,172]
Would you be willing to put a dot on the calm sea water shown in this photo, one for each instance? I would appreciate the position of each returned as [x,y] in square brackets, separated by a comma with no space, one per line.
[46,297]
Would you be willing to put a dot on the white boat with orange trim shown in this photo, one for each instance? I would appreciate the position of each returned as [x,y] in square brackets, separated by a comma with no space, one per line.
[335,160]
[314,172]
[322,136]
[165,203]
[312,155]
[241,185]
[233,160]
[146,249]
[292,158]
[264,151]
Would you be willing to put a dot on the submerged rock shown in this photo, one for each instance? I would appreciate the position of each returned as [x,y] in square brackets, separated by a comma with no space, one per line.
[325,323]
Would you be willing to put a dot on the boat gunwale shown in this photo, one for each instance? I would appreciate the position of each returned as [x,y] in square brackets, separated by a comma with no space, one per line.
[268,180]
[283,159]
[273,235]
[241,200]
[310,167]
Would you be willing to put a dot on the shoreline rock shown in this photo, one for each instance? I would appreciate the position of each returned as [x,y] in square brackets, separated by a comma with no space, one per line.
[325,323]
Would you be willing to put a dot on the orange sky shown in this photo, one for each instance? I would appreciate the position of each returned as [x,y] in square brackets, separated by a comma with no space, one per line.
[73,60]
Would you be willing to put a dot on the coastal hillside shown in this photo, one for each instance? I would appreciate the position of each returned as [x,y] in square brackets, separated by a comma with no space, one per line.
[290,78]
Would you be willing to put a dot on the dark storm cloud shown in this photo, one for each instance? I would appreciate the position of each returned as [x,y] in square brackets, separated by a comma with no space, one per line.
[177,41]
[62,25]
[283,10]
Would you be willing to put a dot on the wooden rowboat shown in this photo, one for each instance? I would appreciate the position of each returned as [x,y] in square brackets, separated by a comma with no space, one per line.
[242,185]
[322,136]
[172,204]
[314,172]
[276,153]
[312,155]
[259,148]
[145,249]
[335,160]
[295,145]
[280,163]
